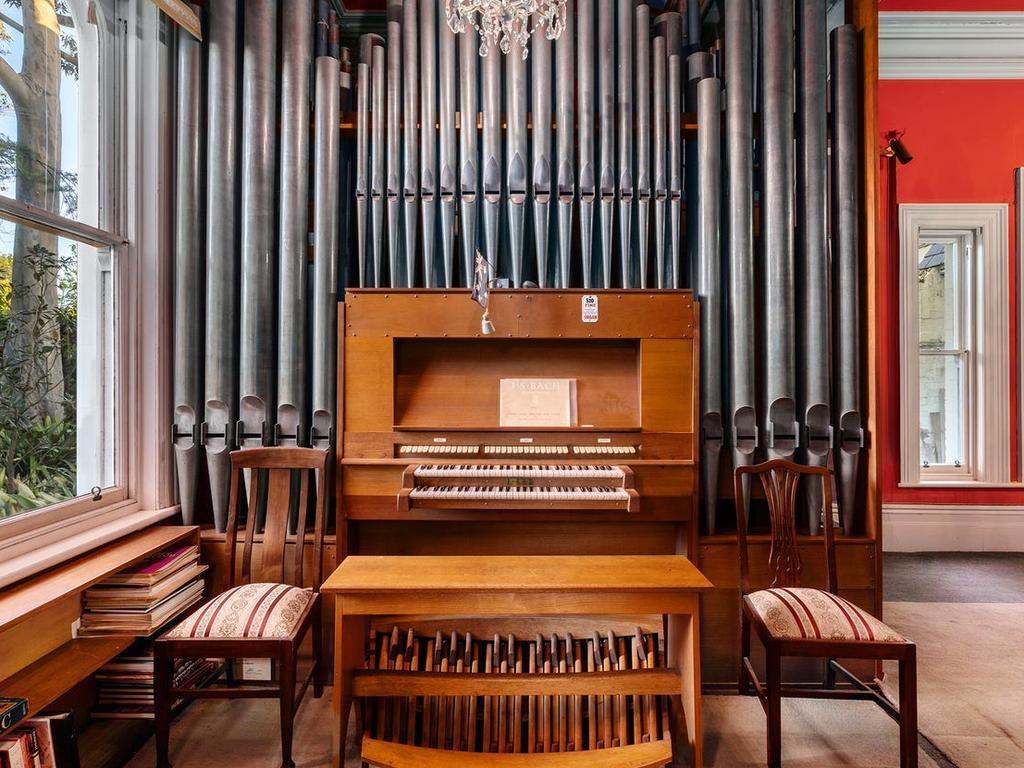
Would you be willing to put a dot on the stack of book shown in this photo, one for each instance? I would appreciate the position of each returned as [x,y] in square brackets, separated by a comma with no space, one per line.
[125,684]
[44,741]
[141,599]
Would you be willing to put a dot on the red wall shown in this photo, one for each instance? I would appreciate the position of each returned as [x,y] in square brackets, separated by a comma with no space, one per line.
[951,5]
[966,136]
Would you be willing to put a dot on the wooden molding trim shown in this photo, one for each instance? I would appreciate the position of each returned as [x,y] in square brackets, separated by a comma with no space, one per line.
[962,45]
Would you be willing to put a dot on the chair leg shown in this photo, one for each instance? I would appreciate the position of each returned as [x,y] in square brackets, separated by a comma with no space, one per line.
[829,680]
[908,710]
[163,674]
[286,665]
[318,668]
[744,678]
[773,686]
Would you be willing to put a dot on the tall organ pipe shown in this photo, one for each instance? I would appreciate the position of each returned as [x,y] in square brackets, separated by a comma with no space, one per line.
[293,237]
[675,162]
[363,96]
[660,158]
[325,246]
[566,117]
[669,25]
[698,66]
[624,110]
[777,223]
[812,202]
[428,134]
[739,130]
[492,152]
[469,142]
[606,118]
[693,24]
[410,137]
[221,364]
[585,125]
[188,273]
[540,58]
[709,285]
[394,140]
[849,431]
[515,170]
[642,31]
[448,160]
[377,160]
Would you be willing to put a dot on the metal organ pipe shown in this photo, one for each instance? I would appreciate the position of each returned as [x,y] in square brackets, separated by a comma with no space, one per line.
[378,166]
[739,137]
[448,159]
[849,431]
[293,237]
[325,245]
[492,152]
[698,66]
[362,166]
[624,110]
[606,118]
[812,202]
[394,140]
[675,161]
[566,117]
[515,170]
[427,78]
[660,159]
[585,127]
[221,364]
[782,431]
[709,285]
[410,138]
[541,177]
[188,272]
[642,31]
[469,142]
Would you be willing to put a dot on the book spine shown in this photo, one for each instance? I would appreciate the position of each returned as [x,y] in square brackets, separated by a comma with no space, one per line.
[12,711]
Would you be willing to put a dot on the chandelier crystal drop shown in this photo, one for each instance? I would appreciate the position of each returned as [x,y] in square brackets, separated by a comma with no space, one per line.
[504,23]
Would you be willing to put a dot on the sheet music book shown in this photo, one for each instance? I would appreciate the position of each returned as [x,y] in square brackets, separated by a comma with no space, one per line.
[538,403]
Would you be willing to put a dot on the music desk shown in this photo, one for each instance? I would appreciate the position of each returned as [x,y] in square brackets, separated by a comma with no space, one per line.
[485,586]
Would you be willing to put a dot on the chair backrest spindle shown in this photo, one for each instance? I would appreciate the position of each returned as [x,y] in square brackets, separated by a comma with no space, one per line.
[272,475]
[780,481]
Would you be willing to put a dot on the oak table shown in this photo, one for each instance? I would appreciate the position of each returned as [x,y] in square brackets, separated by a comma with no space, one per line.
[487,586]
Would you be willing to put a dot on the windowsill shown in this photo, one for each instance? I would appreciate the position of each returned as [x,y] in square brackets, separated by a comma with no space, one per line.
[78,537]
[965,484]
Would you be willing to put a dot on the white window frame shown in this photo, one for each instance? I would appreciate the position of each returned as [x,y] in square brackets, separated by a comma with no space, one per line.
[138,203]
[987,367]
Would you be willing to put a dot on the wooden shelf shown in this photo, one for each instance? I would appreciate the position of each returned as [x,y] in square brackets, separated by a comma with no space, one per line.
[49,678]
[39,592]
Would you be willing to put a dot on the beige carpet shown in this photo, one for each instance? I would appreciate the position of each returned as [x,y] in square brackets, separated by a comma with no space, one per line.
[971,687]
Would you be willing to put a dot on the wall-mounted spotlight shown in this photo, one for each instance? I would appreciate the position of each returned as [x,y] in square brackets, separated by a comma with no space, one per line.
[896,148]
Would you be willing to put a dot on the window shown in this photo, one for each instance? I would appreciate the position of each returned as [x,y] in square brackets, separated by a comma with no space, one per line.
[954,347]
[58,253]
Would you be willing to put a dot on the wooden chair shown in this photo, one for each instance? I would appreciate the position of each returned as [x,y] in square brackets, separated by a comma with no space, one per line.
[792,620]
[250,619]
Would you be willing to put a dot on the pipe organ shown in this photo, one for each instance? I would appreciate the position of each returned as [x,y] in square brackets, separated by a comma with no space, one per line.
[638,153]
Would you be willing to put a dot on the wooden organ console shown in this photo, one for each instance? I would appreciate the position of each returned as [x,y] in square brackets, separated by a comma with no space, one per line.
[426,468]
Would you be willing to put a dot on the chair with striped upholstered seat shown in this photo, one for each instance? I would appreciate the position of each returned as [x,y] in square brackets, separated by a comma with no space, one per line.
[794,620]
[263,612]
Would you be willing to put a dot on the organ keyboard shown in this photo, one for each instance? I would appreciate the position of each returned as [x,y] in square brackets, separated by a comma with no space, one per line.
[423,442]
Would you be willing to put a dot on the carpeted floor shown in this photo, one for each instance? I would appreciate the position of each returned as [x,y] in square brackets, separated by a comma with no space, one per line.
[966,614]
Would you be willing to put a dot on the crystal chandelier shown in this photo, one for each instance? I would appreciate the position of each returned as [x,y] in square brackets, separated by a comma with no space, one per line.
[506,22]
